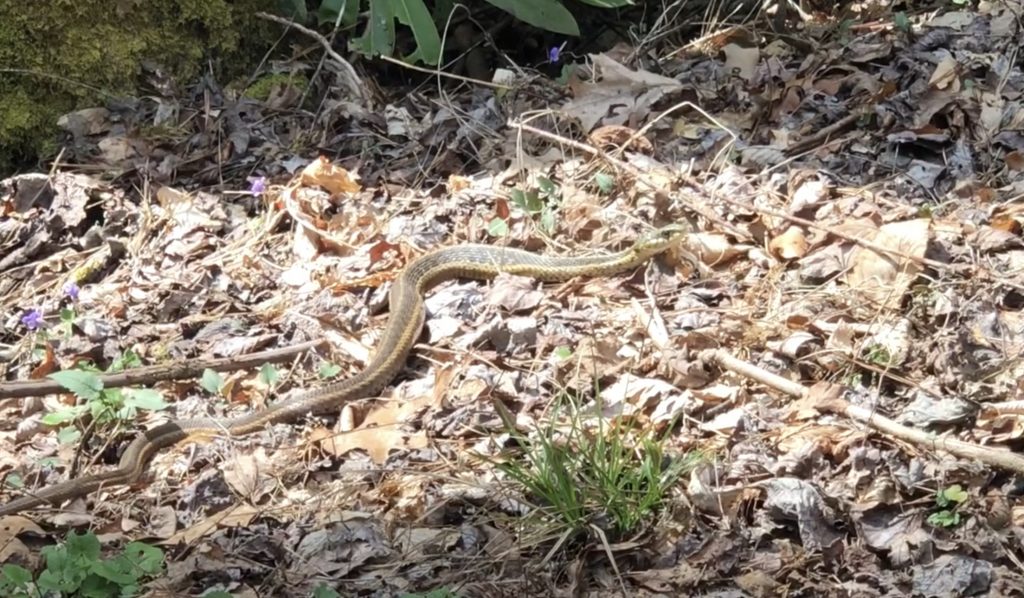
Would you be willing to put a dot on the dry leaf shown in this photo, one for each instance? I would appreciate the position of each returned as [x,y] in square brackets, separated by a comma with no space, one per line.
[12,549]
[610,137]
[237,516]
[620,96]
[458,183]
[945,75]
[742,61]
[790,245]
[377,441]
[163,522]
[334,179]
[883,278]
[247,475]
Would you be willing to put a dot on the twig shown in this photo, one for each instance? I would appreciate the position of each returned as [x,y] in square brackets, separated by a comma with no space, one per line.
[824,134]
[158,373]
[440,73]
[1004,408]
[353,84]
[827,399]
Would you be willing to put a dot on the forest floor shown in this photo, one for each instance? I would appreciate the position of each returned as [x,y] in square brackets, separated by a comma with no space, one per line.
[819,393]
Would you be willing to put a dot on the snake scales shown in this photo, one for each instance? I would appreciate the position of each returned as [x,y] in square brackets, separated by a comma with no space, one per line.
[404,326]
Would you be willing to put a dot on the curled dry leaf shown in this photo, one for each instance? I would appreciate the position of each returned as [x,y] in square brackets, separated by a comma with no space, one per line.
[790,245]
[711,248]
[248,475]
[882,278]
[376,441]
[239,515]
[12,549]
[620,95]
[321,172]
[616,136]
[458,183]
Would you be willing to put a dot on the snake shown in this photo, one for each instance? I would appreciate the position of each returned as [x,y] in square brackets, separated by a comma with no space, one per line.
[405,324]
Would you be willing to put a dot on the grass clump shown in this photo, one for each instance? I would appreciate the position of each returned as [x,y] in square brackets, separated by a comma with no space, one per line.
[589,474]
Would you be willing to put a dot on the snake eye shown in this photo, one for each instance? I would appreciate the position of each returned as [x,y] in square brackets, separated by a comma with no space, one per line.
[658,240]
[671,232]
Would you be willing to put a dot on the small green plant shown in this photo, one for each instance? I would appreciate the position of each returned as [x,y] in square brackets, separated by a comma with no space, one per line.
[211,381]
[567,72]
[609,477]
[76,568]
[540,202]
[949,501]
[878,355]
[328,370]
[323,591]
[497,227]
[901,21]
[105,405]
[605,182]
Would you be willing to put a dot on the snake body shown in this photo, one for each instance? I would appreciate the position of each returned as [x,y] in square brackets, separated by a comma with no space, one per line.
[407,315]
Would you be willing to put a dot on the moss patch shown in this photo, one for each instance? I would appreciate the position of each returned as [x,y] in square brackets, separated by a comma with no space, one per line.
[62,55]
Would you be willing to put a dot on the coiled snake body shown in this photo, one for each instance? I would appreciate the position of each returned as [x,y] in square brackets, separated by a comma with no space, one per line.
[405,322]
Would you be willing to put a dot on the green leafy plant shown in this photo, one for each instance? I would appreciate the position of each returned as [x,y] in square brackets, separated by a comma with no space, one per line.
[878,355]
[497,227]
[541,202]
[269,374]
[211,381]
[76,568]
[580,477]
[605,182]
[949,500]
[901,21]
[378,32]
[105,405]
[328,370]
[323,591]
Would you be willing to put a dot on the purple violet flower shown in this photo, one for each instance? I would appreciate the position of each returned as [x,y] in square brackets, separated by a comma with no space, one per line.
[554,53]
[71,290]
[257,184]
[32,319]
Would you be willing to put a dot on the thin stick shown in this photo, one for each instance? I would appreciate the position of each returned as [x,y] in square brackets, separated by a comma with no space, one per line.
[828,399]
[158,373]
[441,73]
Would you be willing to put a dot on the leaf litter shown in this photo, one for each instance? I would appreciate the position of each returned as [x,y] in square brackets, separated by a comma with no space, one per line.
[856,246]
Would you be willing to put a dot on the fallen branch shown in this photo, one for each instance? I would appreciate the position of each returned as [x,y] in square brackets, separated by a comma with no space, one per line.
[158,373]
[827,398]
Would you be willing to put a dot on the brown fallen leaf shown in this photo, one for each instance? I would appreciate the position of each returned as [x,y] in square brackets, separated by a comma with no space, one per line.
[883,278]
[790,245]
[377,441]
[334,179]
[237,516]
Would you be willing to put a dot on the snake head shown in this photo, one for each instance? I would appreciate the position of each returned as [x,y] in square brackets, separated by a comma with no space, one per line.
[658,240]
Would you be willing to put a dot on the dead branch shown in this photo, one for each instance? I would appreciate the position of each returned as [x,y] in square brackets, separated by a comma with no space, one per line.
[827,399]
[158,373]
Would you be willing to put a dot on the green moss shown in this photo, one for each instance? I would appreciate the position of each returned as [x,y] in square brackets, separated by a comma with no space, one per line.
[62,55]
